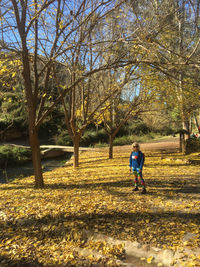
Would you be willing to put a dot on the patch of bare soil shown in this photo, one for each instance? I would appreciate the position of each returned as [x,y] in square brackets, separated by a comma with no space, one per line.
[169,144]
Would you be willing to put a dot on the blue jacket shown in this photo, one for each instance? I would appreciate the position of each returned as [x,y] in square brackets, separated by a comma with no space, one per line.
[136,160]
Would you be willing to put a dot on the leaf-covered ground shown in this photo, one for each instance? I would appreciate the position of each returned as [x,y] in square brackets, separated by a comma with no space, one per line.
[51,226]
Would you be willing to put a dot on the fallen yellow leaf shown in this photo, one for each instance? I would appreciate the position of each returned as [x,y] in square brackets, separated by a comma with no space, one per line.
[149,260]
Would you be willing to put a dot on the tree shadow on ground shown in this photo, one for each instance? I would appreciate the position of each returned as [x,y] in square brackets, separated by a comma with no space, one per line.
[27,262]
[172,164]
[98,167]
[57,186]
[23,262]
[17,187]
[189,190]
[108,224]
[173,180]
[174,183]
[194,162]
[92,185]
[25,170]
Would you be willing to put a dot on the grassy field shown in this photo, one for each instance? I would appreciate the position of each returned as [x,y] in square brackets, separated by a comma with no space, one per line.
[57,226]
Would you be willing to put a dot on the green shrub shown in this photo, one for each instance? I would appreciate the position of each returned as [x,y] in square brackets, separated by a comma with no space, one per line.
[139,128]
[99,145]
[63,139]
[14,155]
[53,125]
[192,145]
[127,140]
[124,140]
[92,137]
[5,152]
[166,130]
[124,130]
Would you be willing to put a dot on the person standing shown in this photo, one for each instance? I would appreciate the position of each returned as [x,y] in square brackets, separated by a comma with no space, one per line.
[136,163]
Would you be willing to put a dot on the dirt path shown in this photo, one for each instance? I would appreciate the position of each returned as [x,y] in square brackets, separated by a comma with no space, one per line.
[169,144]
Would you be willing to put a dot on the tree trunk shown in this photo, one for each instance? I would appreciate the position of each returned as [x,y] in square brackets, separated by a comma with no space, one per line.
[31,105]
[190,124]
[111,138]
[76,141]
[186,124]
[182,143]
[36,157]
[181,42]
[196,121]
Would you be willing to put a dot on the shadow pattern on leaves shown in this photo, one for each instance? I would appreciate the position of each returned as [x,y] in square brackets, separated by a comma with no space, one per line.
[74,226]
[57,186]
[23,262]
[177,183]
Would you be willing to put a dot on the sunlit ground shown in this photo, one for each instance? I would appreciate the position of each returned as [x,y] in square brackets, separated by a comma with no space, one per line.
[50,226]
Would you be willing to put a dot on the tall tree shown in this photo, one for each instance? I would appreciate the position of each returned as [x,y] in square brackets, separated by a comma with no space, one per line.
[42,33]
[132,100]
[169,34]
[87,59]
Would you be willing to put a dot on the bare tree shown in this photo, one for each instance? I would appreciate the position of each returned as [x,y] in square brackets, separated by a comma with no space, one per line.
[43,34]
[87,59]
[131,101]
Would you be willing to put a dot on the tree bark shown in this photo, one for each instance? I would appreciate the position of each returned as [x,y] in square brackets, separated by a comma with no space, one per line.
[111,139]
[182,143]
[76,140]
[36,157]
[33,131]
[196,121]
[186,123]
